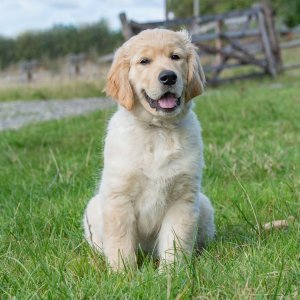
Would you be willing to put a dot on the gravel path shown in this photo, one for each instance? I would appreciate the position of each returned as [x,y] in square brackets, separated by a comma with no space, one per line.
[14,115]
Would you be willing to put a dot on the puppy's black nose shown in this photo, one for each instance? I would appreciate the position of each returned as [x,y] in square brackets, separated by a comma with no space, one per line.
[167,77]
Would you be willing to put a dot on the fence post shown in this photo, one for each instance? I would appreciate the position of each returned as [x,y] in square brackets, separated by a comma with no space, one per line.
[28,67]
[271,68]
[126,28]
[219,43]
[75,63]
[274,43]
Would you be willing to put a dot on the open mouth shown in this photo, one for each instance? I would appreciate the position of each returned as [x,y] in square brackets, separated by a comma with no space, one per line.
[167,102]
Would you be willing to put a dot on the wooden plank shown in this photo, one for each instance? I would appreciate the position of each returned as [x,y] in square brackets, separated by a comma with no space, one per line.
[254,48]
[209,68]
[237,20]
[272,34]
[233,78]
[266,43]
[290,44]
[291,66]
[199,20]
[212,36]
[196,8]
[106,58]
[166,10]
[218,42]
[230,54]
[135,27]
[251,48]
[227,15]
[126,27]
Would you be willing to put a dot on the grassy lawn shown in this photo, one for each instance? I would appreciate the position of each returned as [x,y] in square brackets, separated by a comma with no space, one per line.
[65,89]
[48,172]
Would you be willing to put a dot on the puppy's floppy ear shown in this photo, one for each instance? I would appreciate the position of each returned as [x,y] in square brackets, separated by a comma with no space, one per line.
[196,77]
[117,83]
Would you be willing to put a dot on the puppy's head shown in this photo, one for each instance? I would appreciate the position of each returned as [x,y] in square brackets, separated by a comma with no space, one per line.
[158,70]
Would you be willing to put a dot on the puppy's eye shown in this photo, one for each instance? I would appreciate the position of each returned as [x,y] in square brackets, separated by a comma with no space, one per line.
[144,61]
[175,57]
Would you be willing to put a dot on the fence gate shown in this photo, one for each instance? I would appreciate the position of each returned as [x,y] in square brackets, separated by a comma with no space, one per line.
[227,42]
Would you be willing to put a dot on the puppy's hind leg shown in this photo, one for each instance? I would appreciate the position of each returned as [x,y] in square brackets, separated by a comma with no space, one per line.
[206,227]
[93,223]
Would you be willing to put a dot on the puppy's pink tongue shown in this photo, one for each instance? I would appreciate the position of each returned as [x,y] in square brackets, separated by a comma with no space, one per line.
[167,101]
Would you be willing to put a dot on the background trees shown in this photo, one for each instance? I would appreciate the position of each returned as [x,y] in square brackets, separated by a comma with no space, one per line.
[99,39]
[288,10]
[59,41]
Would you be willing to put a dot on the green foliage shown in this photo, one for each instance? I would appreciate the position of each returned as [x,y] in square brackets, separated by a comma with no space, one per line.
[59,41]
[289,10]
[48,173]
[184,8]
[7,51]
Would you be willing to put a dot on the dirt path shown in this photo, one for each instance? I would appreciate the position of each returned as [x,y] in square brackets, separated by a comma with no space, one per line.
[16,114]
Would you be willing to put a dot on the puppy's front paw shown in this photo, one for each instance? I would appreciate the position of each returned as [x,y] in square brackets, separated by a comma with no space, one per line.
[120,263]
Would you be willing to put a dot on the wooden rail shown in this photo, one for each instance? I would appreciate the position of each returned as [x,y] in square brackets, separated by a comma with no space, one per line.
[290,44]
[27,68]
[132,27]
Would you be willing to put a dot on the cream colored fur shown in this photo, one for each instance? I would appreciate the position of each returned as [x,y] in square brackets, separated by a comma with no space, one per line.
[150,191]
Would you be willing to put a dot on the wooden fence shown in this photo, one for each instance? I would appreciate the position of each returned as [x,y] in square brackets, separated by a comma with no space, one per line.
[228,41]
[234,45]
[290,38]
[27,68]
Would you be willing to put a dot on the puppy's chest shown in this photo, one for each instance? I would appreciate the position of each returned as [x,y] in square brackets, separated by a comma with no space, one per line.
[160,167]
[162,157]
[151,203]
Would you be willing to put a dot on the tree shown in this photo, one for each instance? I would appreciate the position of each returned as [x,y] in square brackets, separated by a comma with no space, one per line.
[288,10]
[59,41]
[7,52]
[184,8]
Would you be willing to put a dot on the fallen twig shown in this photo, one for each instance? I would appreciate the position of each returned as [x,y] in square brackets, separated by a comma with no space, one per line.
[278,224]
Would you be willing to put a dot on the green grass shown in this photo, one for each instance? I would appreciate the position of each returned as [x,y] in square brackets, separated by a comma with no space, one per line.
[59,90]
[49,171]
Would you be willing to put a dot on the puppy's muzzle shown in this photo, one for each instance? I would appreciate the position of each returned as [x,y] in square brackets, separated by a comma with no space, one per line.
[167,77]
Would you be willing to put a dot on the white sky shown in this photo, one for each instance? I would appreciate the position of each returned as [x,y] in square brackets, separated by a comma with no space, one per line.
[17,16]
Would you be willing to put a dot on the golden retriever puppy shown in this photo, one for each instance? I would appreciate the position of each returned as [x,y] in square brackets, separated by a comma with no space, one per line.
[150,191]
